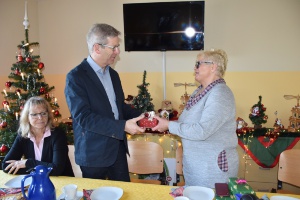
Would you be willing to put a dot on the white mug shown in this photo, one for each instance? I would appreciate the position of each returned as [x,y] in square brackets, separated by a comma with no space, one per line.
[70,191]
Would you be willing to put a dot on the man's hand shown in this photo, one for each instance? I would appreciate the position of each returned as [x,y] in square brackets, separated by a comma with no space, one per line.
[131,126]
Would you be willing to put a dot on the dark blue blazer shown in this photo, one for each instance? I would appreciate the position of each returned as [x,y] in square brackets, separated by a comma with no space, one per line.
[97,134]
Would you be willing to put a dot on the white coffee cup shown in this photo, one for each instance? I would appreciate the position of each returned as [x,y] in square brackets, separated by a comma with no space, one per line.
[70,191]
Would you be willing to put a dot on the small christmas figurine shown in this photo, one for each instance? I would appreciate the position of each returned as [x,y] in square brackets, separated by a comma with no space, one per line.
[240,123]
[241,126]
[257,115]
[129,99]
[278,125]
[167,106]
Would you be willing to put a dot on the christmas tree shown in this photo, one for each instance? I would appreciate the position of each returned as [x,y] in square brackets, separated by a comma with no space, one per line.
[143,100]
[257,115]
[25,80]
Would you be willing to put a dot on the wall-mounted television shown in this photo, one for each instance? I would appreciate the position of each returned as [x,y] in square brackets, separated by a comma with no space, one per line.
[162,26]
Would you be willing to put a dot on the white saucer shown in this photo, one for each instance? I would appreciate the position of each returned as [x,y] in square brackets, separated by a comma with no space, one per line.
[16,182]
[107,193]
[79,195]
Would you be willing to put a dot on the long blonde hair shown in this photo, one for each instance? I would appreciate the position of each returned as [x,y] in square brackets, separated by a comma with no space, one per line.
[24,127]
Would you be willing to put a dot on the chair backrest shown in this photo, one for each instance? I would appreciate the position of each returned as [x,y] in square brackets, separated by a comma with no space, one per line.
[179,160]
[145,157]
[75,167]
[288,167]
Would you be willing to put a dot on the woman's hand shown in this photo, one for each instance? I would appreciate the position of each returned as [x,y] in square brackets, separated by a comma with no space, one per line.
[15,165]
[163,124]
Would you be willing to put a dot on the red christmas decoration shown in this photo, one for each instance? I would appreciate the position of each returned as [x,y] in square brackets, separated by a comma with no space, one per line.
[42,90]
[8,84]
[56,113]
[17,72]
[3,148]
[20,58]
[5,103]
[41,65]
[28,59]
[3,124]
[18,90]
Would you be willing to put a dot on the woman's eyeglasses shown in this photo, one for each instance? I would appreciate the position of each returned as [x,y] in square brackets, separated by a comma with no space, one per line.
[38,115]
[198,63]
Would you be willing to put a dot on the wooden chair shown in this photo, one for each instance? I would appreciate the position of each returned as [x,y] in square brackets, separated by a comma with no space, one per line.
[179,172]
[288,169]
[145,158]
[75,167]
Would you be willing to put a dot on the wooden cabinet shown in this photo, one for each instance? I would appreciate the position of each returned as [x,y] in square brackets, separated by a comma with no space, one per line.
[259,178]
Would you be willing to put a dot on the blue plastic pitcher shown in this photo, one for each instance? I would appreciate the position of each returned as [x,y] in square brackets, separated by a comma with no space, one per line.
[41,187]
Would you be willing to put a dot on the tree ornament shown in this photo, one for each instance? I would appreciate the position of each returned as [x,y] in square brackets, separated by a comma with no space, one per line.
[17,72]
[56,113]
[3,124]
[8,84]
[47,96]
[20,58]
[42,90]
[41,65]
[5,103]
[28,59]
[3,148]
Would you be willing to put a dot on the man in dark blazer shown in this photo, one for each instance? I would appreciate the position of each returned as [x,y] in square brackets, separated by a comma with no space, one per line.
[100,116]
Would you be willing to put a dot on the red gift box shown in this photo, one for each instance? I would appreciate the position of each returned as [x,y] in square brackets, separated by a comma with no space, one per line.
[147,123]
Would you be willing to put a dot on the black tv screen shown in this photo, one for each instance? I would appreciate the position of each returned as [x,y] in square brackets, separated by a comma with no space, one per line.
[162,26]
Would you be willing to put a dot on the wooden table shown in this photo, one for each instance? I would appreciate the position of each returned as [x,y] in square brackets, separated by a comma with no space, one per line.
[132,191]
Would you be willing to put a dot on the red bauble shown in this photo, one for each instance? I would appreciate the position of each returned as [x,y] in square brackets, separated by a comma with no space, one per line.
[17,72]
[5,103]
[8,84]
[56,113]
[20,58]
[42,90]
[28,59]
[3,124]
[41,65]
[3,148]
[146,115]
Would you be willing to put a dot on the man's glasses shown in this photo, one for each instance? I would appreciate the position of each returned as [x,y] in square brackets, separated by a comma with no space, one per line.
[111,47]
[198,63]
[38,115]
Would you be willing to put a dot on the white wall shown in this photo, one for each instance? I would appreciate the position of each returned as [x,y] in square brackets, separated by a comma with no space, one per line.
[257,35]
[260,37]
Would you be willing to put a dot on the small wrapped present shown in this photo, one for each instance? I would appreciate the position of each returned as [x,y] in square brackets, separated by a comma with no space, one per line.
[145,122]
[148,121]
[239,186]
